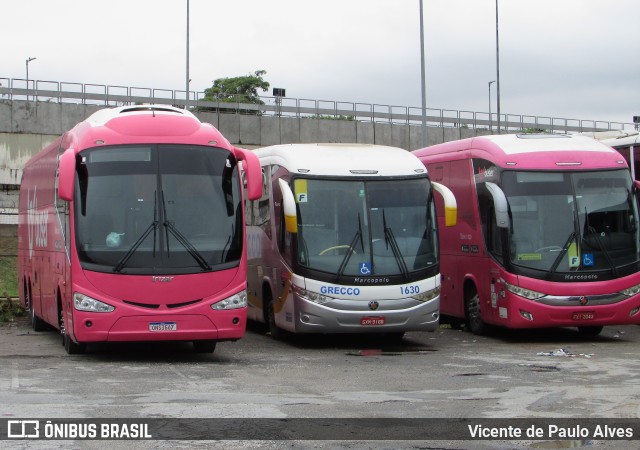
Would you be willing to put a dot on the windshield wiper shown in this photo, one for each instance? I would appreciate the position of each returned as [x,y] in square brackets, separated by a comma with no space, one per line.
[118,267]
[602,246]
[390,239]
[565,249]
[181,238]
[590,230]
[153,227]
[350,250]
[187,245]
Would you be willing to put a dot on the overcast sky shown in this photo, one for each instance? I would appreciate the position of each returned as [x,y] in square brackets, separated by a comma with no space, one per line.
[576,59]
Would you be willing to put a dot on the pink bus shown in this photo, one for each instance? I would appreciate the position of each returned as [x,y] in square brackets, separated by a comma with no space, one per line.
[547,233]
[131,228]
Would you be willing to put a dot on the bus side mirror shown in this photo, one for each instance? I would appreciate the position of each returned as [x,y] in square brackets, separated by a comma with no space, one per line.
[289,207]
[450,204]
[500,203]
[251,166]
[66,174]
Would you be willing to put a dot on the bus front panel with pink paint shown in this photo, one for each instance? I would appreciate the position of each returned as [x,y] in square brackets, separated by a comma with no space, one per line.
[131,229]
[547,233]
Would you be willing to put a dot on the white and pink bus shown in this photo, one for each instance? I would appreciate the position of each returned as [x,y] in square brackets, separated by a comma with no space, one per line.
[628,145]
[547,233]
[131,229]
[344,240]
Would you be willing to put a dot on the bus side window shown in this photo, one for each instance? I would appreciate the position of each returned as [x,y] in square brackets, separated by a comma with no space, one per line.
[248,204]
[283,238]
[494,241]
[261,213]
[490,229]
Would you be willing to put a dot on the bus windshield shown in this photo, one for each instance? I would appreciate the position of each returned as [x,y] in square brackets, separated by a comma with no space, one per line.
[158,209]
[572,221]
[366,228]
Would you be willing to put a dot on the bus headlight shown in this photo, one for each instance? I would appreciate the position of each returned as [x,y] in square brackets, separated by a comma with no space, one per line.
[85,303]
[522,292]
[427,295]
[633,290]
[236,301]
[312,296]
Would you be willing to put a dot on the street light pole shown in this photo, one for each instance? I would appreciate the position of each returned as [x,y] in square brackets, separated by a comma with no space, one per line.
[423,81]
[186,105]
[490,121]
[27,64]
[497,68]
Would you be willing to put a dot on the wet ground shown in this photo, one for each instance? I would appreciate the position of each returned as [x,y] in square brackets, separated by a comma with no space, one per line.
[447,374]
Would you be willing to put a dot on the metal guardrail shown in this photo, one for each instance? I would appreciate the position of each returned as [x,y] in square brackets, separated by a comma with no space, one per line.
[106,95]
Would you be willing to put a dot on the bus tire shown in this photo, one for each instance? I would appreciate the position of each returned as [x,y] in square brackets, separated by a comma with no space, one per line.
[473,315]
[71,347]
[204,346]
[270,315]
[590,331]
[36,322]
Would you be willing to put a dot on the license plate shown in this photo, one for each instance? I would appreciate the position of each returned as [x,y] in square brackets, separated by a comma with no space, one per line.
[586,315]
[377,320]
[163,326]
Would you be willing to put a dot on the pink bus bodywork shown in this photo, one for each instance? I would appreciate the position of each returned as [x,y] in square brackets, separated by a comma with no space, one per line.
[85,266]
[547,233]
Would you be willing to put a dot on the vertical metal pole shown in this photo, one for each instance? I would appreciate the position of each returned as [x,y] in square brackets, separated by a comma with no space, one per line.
[490,119]
[423,81]
[186,105]
[29,59]
[497,67]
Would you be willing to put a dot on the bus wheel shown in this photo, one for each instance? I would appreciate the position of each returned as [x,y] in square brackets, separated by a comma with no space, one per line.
[590,331]
[474,318]
[205,346]
[72,348]
[36,322]
[276,332]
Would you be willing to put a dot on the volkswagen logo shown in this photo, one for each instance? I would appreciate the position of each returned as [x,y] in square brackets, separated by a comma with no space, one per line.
[373,305]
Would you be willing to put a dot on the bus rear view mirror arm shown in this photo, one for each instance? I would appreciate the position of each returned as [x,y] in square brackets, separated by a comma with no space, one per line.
[500,203]
[66,174]
[289,207]
[450,204]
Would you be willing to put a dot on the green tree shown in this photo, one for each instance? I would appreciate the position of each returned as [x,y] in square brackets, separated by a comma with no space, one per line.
[243,89]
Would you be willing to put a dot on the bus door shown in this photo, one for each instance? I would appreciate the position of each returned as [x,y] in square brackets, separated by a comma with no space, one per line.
[282,242]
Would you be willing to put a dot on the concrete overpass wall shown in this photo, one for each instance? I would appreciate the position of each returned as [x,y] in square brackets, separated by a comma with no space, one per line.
[26,127]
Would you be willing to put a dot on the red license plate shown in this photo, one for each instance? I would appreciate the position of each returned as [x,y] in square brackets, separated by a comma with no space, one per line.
[377,320]
[583,315]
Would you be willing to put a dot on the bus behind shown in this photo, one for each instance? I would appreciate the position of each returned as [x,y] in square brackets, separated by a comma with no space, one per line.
[548,233]
[344,240]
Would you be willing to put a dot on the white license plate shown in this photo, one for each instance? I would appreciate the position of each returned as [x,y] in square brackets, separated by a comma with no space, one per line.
[163,326]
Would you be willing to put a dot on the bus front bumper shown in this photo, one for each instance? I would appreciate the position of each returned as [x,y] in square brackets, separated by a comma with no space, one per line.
[104,327]
[518,312]
[316,318]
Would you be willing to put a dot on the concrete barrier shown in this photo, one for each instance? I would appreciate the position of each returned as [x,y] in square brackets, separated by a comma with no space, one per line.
[26,127]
